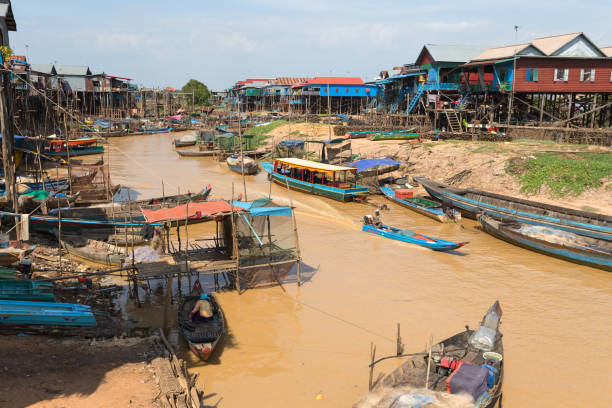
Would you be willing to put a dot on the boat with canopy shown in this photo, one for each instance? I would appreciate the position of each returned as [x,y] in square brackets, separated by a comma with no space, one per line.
[337,182]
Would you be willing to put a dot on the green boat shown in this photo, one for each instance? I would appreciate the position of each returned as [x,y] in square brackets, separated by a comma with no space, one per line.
[396,136]
[26,290]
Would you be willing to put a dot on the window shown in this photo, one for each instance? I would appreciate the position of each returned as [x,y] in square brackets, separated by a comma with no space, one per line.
[561,74]
[532,75]
[587,75]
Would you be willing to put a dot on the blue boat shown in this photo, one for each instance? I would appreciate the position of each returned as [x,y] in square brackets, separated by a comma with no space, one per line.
[423,206]
[593,252]
[235,164]
[154,129]
[472,203]
[413,238]
[14,312]
[337,182]
[26,290]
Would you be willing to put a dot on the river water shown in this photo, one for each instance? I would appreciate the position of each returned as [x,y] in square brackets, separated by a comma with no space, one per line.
[287,345]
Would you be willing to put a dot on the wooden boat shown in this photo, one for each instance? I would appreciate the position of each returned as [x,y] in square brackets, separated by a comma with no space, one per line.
[26,290]
[472,202]
[369,133]
[94,251]
[14,312]
[202,337]
[235,164]
[482,378]
[186,140]
[395,136]
[10,256]
[30,203]
[428,208]
[593,252]
[413,238]
[76,147]
[154,129]
[337,182]
[198,153]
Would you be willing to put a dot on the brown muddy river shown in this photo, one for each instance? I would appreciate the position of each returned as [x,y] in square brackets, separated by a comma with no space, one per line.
[287,345]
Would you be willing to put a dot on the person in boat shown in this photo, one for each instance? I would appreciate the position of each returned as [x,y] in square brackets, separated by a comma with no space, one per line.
[377,219]
[202,311]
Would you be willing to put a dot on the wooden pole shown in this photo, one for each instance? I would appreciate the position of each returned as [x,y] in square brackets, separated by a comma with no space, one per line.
[8,141]
[429,361]
[295,234]
[187,244]
[235,245]
[372,357]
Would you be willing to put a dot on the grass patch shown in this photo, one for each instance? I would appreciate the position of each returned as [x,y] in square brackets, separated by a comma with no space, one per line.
[589,208]
[260,133]
[563,173]
[490,147]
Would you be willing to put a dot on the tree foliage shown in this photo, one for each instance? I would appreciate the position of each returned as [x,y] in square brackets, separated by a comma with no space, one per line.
[200,91]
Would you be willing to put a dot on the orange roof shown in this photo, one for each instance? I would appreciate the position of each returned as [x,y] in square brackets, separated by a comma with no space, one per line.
[196,211]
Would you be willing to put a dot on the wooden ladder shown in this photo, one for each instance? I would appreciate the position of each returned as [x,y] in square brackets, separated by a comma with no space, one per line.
[453,120]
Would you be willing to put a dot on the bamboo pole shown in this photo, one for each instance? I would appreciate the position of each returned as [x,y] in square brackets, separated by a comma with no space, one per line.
[428,361]
[235,244]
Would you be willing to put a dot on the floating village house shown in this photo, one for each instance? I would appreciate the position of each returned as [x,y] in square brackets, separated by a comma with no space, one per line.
[550,79]
[343,95]
[277,93]
[7,21]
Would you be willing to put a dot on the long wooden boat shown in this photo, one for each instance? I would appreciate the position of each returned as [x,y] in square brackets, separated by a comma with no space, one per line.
[151,130]
[198,153]
[186,140]
[481,380]
[26,290]
[95,251]
[593,252]
[337,182]
[366,133]
[14,312]
[428,208]
[472,202]
[413,238]
[235,164]
[202,337]
[395,136]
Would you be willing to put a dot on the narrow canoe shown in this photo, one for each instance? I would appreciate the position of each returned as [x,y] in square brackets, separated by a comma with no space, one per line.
[95,251]
[593,252]
[202,337]
[413,373]
[472,203]
[198,153]
[396,136]
[77,151]
[423,206]
[413,238]
[26,290]
[13,312]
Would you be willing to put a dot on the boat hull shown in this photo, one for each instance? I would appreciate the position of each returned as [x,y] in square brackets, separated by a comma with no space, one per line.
[325,191]
[213,331]
[434,213]
[77,152]
[45,313]
[421,240]
[565,252]
[197,153]
[530,213]
[26,290]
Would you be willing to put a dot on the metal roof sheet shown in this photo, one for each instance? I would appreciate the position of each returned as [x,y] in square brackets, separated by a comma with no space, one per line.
[43,68]
[307,164]
[548,45]
[74,70]
[607,50]
[335,81]
[288,80]
[7,12]
[454,53]
[507,51]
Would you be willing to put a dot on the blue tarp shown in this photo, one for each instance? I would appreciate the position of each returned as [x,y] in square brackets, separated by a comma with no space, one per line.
[256,209]
[366,164]
[292,143]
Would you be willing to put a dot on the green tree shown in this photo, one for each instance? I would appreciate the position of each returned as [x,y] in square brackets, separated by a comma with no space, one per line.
[200,91]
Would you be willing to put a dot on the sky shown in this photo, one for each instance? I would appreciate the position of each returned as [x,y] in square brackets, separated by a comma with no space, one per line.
[164,43]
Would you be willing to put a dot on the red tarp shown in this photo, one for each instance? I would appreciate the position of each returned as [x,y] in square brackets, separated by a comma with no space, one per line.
[196,211]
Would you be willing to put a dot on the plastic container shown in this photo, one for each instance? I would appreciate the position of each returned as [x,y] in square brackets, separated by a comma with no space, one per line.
[483,338]
[403,193]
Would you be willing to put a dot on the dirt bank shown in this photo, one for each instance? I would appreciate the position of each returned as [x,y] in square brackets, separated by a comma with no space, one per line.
[486,163]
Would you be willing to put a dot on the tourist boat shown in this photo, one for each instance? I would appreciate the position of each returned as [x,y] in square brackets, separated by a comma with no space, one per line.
[94,251]
[76,147]
[428,208]
[593,252]
[468,365]
[26,290]
[235,164]
[14,312]
[186,140]
[472,202]
[202,337]
[337,182]
[412,237]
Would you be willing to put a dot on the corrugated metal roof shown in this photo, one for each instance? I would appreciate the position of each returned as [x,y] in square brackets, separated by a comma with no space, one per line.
[454,53]
[74,70]
[549,45]
[288,80]
[75,83]
[335,81]
[507,51]
[43,68]
[607,50]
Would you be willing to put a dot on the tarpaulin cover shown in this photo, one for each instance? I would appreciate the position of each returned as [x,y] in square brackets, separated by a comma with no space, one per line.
[196,211]
[470,379]
[366,164]
[291,143]
[260,211]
